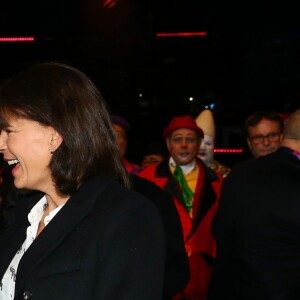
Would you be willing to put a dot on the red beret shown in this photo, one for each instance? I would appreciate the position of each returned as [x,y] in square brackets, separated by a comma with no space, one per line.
[182,122]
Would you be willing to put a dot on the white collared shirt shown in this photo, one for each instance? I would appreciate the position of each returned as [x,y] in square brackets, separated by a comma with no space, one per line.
[186,169]
[7,285]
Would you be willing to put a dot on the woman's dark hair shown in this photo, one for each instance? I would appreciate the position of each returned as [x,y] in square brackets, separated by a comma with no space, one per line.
[58,95]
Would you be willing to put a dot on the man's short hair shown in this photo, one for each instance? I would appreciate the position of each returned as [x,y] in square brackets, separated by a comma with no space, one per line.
[257,116]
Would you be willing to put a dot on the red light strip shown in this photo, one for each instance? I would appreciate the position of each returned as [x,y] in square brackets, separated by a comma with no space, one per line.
[109,3]
[171,34]
[228,150]
[16,39]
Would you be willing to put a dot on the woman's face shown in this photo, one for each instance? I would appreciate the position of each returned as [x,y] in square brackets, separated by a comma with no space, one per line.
[26,146]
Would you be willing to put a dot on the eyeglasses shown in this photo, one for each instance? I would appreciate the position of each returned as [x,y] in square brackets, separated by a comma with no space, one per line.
[258,139]
[188,140]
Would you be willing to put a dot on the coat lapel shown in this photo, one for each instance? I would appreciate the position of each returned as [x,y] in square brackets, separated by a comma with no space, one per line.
[76,208]
[205,195]
[170,184]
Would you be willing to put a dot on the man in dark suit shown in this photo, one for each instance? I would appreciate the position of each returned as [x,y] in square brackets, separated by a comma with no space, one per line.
[257,226]
[177,271]
[177,266]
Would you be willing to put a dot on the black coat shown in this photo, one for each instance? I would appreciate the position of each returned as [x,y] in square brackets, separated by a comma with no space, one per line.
[106,243]
[177,265]
[257,231]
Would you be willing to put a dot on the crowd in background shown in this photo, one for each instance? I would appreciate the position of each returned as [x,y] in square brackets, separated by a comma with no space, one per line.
[210,231]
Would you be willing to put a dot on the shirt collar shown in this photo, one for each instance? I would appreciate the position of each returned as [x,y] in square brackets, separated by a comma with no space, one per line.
[186,169]
[37,211]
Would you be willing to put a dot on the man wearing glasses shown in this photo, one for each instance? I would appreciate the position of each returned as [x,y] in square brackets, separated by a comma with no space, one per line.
[195,189]
[257,226]
[264,132]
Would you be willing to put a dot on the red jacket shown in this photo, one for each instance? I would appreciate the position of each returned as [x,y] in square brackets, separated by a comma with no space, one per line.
[199,242]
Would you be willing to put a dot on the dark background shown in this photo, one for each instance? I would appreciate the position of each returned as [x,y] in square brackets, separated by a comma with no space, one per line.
[248,60]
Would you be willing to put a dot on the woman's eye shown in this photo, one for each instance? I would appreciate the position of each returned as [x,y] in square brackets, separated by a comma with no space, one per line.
[8,131]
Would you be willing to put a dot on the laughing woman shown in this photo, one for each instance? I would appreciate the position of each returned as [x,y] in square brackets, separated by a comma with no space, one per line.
[84,234]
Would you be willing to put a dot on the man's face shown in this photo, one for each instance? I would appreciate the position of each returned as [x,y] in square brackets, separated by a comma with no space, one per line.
[121,139]
[183,145]
[264,138]
[151,159]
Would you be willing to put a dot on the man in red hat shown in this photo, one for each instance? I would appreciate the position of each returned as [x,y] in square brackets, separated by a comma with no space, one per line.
[195,190]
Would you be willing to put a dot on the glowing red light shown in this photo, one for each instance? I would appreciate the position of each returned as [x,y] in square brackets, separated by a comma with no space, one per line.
[181,34]
[109,3]
[16,39]
[228,150]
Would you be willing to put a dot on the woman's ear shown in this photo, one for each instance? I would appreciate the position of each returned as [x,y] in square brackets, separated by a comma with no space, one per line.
[55,139]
